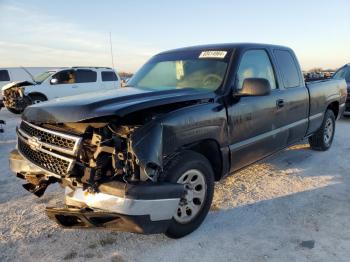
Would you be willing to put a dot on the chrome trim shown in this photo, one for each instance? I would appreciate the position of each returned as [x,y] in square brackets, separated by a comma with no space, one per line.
[70,160]
[157,209]
[73,151]
[49,146]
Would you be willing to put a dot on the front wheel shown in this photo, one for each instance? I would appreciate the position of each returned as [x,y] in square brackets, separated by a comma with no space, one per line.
[323,138]
[37,98]
[195,172]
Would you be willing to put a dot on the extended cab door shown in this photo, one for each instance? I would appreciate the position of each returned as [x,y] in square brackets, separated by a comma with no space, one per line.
[255,123]
[109,80]
[86,81]
[295,95]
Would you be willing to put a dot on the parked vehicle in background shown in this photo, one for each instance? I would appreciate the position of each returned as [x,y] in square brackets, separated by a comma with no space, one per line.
[19,74]
[144,158]
[58,83]
[344,73]
[2,122]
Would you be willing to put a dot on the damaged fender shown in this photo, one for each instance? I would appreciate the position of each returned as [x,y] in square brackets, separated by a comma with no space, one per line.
[178,130]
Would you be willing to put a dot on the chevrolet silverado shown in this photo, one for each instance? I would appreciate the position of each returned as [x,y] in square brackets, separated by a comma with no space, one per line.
[145,158]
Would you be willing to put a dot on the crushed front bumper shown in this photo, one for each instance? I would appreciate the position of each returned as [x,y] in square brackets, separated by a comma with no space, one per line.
[145,207]
[81,218]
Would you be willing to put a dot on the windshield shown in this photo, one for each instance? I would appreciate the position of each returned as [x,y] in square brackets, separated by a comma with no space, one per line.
[43,76]
[202,70]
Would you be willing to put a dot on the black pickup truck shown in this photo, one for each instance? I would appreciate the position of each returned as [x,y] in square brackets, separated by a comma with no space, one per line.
[144,158]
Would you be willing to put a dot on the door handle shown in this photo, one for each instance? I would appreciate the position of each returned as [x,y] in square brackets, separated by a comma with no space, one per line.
[74,86]
[280,103]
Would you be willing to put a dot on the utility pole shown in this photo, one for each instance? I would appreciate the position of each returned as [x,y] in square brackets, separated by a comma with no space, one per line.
[110,41]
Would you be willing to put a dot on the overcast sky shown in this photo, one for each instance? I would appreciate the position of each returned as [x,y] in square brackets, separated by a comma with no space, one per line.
[68,33]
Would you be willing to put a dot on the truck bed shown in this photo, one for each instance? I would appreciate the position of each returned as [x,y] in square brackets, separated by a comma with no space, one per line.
[321,94]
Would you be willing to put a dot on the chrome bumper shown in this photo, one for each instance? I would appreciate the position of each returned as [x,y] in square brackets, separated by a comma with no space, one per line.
[20,165]
[157,209]
[158,202]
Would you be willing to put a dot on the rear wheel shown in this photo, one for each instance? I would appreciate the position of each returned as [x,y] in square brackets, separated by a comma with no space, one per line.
[323,138]
[195,172]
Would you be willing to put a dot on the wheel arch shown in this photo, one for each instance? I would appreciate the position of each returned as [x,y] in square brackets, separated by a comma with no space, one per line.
[210,149]
[37,94]
[334,106]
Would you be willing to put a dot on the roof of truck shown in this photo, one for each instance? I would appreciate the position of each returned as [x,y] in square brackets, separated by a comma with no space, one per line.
[226,46]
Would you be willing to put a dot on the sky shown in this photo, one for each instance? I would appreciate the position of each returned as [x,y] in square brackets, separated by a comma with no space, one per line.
[76,33]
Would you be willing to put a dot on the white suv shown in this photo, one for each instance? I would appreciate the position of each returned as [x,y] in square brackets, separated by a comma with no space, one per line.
[58,83]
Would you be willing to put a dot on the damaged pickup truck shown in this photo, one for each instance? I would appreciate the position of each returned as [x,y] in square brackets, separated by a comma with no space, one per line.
[144,158]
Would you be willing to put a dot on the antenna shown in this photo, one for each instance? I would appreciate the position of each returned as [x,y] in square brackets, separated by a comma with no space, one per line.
[110,41]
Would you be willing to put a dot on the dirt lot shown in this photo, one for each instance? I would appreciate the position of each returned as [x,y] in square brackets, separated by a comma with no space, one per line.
[294,206]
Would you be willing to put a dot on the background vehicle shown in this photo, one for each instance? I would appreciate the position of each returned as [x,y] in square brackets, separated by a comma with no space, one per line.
[19,74]
[58,83]
[144,158]
[344,73]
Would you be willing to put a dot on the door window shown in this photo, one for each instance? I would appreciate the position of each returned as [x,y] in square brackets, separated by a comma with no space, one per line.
[4,75]
[109,76]
[65,77]
[255,64]
[85,76]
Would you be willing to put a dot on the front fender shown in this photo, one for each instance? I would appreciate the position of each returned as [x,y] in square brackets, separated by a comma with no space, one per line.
[166,135]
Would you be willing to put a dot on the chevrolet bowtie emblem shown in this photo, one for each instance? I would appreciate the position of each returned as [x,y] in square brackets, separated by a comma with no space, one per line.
[34,143]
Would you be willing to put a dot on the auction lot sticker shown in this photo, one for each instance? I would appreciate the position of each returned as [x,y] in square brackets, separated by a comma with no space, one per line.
[213,54]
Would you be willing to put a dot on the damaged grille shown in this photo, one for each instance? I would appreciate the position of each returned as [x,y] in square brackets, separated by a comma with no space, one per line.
[49,136]
[48,149]
[46,161]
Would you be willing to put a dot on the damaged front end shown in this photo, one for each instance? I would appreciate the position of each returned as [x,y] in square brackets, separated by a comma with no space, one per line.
[14,98]
[106,186]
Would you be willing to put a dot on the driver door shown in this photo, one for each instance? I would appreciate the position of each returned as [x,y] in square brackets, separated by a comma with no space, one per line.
[255,121]
[63,84]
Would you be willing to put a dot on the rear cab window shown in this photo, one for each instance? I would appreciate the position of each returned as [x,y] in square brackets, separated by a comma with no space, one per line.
[109,76]
[288,68]
[4,75]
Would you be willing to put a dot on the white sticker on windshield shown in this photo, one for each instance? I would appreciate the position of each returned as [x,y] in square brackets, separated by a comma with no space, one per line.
[213,54]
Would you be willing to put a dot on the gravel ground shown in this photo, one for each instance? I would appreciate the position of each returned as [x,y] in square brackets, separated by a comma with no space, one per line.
[294,206]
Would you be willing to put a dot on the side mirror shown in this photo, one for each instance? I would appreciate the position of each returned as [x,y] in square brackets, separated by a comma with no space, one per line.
[53,81]
[255,87]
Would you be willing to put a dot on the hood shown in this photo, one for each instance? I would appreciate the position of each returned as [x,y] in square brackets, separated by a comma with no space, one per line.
[118,102]
[17,84]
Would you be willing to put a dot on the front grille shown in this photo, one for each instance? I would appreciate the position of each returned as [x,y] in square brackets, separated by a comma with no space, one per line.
[44,160]
[50,150]
[49,137]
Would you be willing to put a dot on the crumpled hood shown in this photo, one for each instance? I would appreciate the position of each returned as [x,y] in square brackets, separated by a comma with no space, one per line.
[17,83]
[117,102]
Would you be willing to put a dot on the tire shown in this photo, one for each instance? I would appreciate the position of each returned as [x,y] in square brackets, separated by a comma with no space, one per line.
[323,138]
[37,98]
[14,111]
[194,170]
